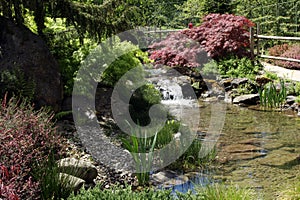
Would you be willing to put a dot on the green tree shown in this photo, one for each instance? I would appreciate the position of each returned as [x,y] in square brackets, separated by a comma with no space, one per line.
[98,18]
[195,10]
[275,17]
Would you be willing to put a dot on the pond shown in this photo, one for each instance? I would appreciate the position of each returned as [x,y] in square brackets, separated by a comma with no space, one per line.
[256,149]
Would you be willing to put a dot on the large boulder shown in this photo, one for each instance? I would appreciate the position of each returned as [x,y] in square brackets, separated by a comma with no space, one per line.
[25,51]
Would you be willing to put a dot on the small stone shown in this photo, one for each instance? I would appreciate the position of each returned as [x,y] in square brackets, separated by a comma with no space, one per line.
[249,99]
[290,99]
[68,181]
[79,168]
[239,81]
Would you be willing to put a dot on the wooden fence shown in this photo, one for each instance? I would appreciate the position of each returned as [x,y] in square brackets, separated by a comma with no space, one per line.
[255,42]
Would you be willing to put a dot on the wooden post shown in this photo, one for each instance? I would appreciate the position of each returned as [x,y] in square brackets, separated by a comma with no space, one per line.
[252,43]
[160,33]
[257,39]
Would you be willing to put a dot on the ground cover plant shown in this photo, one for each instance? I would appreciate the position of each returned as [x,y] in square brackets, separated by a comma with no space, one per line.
[286,51]
[26,139]
[211,192]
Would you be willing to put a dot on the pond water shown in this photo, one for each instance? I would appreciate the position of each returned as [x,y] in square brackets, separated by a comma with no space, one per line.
[256,149]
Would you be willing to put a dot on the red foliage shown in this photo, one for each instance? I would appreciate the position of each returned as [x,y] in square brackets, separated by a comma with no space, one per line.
[219,35]
[292,52]
[26,139]
[222,34]
[176,50]
[278,50]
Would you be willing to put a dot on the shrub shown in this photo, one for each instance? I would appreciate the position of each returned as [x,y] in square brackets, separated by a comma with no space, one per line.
[124,194]
[68,50]
[222,35]
[122,65]
[297,88]
[176,50]
[286,51]
[141,100]
[292,52]
[278,50]
[26,139]
[238,67]
[211,192]
[219,35]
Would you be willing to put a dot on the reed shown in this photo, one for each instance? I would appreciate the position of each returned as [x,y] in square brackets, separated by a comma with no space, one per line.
[270,97]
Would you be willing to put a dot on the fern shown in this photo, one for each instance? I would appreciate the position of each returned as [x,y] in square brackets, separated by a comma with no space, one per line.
[15,83]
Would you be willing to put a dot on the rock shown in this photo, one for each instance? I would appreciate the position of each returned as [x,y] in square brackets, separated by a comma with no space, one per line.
[68,181]
[239,81]
[252,141]
[290,99]
[279,158]
[245,150]
[262,80]
[249,99]
[240,148]
[78,168]
[168,178]
[23,50]
[226,83]
[245,156]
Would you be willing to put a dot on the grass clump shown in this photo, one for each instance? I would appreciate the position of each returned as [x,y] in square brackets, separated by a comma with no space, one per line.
[221,191]
[141,149]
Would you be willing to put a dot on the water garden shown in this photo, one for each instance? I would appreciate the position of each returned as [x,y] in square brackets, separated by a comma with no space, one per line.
[109,113]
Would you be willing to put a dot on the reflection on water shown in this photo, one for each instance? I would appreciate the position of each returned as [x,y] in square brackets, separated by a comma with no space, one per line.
[259,150]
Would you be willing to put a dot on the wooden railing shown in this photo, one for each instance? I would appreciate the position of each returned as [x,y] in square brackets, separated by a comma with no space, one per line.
[254,42]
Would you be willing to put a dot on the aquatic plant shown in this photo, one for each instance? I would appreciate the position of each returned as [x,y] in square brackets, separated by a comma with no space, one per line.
[270,97]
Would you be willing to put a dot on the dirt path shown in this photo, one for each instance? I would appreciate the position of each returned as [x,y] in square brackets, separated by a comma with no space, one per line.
[282,72]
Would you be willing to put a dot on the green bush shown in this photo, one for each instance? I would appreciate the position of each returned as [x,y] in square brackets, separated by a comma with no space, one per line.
[297,88]
[27,137]
[210,68]
[271,76]
[239,68]
[212,192]
[68,50]
[124,194]
[166,134]
[124,63]
[141,101]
